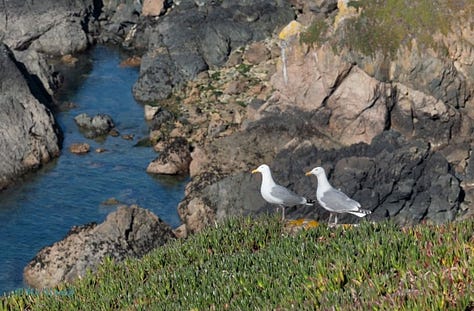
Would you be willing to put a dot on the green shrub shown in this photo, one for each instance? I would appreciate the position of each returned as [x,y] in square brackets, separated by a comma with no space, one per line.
[388,24]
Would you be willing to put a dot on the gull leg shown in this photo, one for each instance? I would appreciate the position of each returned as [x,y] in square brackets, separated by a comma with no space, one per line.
[335,219]
[282,212]
[329,220]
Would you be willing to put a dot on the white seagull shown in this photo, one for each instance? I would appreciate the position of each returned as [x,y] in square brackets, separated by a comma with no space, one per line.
[276,194]
[333,200]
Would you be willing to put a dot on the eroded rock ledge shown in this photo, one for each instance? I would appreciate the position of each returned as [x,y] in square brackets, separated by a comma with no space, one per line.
[130,231]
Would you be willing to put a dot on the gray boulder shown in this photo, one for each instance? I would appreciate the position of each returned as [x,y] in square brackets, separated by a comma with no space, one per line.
[51,27]
[128,232]
[93,127]
[29,135]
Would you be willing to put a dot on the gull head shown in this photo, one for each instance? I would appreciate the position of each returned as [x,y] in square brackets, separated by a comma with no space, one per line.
[261,169]
[317,171]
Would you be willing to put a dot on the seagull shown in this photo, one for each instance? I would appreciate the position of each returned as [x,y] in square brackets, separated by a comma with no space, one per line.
[333,200]
[276,194]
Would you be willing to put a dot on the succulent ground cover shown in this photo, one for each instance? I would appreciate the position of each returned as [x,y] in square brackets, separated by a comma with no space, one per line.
[247,263]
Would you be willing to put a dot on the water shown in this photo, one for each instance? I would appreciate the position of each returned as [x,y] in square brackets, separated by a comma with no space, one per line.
[70,190]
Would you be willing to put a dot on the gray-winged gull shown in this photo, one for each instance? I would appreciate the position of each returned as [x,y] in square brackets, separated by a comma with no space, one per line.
[276,194]
[333,200]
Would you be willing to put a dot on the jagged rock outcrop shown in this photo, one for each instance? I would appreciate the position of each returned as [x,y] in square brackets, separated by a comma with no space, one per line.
[29,135]
[50,27]
[346,111]
[406,181]
[35,31]
[130,231]
[193,37]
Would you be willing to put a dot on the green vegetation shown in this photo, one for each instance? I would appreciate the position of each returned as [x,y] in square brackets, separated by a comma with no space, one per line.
[243,69]
[315,33]
[253,264]
[386,25]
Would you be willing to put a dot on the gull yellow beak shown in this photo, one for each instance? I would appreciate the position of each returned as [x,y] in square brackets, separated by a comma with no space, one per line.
[254,171]
[308,173]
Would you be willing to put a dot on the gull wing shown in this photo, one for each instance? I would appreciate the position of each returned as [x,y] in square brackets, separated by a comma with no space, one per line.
[288,197]
[338,202]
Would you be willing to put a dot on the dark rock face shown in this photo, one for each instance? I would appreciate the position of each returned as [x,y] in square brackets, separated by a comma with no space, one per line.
[128,232]
[95,126]
[395,178]
[190,39]
[29,136]
[51,27]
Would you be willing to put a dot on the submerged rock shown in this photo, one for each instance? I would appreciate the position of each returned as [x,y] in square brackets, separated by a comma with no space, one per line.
[130,231]
[79,148]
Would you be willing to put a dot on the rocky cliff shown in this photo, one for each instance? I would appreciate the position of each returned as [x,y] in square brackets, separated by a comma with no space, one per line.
[381,96]
[29,135]
[392,127]
[30,34]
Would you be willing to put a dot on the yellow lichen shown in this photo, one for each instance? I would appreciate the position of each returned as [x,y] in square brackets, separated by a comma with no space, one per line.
[344,12]
[292,29]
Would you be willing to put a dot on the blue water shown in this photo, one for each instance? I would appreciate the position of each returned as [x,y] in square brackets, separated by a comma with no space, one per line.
[70,190]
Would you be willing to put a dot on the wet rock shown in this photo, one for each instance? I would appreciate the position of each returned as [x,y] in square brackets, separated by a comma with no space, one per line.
[128,232]
[173,159]
[79,148]
[29,136]
[96,126]
[133,61]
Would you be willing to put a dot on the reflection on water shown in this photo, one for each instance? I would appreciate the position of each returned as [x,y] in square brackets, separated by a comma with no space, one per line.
[70,190]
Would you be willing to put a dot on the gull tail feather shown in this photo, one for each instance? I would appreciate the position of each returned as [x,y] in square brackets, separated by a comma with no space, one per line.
[310,202]
[361,212]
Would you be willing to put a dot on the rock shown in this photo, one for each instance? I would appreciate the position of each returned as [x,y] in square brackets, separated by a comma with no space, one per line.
[150,112]
[96,126]
[128,232]
[111,201]
[349,105]
[51,27]
[395,178]
[188,40]
[69,59]
[256,53]
[174,159]
[417,114]
[30,136]
[153,7]
[36,64]
[133,61]
[79,148]
[197,215]
[128,136]
[160,117]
